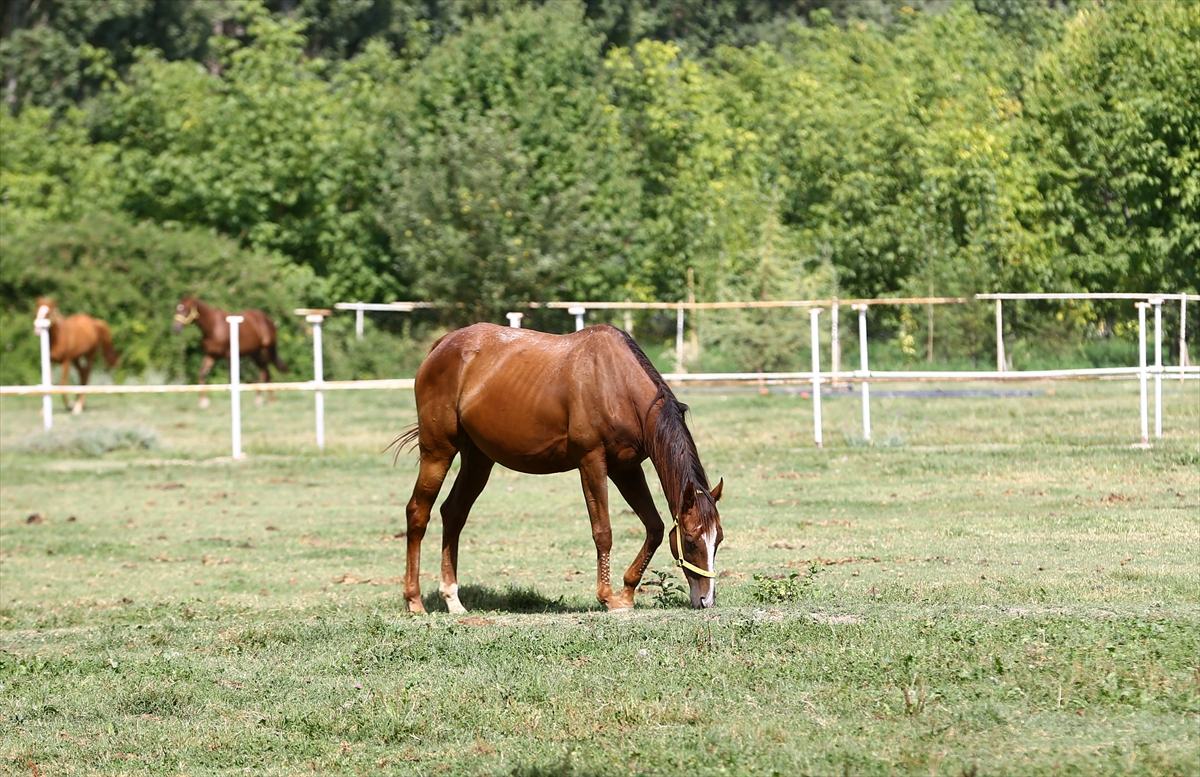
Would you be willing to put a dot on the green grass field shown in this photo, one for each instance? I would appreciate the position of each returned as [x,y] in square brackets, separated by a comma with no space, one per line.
[997,586]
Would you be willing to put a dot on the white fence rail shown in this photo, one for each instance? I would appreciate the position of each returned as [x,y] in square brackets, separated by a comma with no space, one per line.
[815,376]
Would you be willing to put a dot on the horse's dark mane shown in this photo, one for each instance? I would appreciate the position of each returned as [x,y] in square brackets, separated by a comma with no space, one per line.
[671,449]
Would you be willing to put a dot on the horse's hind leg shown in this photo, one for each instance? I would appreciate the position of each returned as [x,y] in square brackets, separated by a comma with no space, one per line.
[472,477]
[84,365]
[205,368]
[434,465]
[264,376]
[632,485]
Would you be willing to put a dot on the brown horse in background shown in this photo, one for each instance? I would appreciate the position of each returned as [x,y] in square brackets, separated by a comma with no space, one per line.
[256,339]
[542,403]
[75,340]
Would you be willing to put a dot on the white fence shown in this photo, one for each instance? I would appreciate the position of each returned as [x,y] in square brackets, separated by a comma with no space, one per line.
[816,376]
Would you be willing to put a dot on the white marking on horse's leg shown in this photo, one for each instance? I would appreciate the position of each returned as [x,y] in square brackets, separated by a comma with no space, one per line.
[258,399]
[77,408]
[203,402]
[449,595]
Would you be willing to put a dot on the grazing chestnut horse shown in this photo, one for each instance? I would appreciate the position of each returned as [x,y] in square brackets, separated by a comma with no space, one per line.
[256,339]
[75,340]
[542,403]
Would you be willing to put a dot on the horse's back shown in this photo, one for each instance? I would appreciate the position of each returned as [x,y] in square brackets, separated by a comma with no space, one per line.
[531,400]
[79,334]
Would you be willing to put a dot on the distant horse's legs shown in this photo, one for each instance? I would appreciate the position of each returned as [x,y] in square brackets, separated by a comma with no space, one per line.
[66,375]
[434,465]
[593,472]
[632,485]
[472,477]
[205,368]
[84,365]
[264,376]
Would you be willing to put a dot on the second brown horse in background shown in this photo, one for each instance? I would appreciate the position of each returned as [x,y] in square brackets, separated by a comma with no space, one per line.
[256,339]
[76,340]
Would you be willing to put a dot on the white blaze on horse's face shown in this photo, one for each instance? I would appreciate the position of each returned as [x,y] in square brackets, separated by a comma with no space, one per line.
[701,551]
[703,590]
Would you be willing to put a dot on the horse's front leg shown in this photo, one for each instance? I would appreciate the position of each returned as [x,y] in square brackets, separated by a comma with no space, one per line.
[205,368]
[632,485]
[66,375]
[593,471]
[429,482]
[84,365]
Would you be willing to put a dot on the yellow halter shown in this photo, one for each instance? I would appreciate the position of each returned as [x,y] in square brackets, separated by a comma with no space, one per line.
[679,560]
[183,320]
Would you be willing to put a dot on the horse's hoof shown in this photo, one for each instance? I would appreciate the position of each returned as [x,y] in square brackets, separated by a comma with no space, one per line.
[258,401]
[204,403]
[618,605]
[77,409]
[416,608]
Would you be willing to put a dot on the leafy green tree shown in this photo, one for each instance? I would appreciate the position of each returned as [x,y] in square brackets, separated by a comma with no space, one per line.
[49,169]
[508,177]
[1116,111]
[277,151]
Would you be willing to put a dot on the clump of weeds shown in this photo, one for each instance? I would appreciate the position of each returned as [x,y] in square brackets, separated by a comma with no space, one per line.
[798,585]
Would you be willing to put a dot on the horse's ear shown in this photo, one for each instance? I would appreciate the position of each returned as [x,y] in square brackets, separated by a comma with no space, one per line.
[689,499]
[716,492]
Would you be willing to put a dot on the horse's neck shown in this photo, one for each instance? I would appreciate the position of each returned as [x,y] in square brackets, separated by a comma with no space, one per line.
[674,472]
[209,316]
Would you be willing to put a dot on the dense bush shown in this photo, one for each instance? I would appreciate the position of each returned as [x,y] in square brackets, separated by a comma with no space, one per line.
[132,275]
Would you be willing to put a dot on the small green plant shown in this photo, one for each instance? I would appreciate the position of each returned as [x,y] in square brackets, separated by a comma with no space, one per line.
[664,589]
[797,585]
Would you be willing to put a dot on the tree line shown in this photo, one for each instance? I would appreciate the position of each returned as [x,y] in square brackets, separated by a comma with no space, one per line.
[482,154]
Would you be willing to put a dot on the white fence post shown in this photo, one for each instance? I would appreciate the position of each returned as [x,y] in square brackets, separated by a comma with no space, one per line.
[864,373]
[679,340]
[578,313]
[835,345]
[1141,308]
[999,336]
[318,377]
[514,319]
[235,379]
[41,325]
[1157,303]
[358,324]
[1183,354]
[816,372]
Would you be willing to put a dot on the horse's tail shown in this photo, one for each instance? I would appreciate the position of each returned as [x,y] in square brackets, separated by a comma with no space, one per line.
[110,354]
[279,363]
[407,439]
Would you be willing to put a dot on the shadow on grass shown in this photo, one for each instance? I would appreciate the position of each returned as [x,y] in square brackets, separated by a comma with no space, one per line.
[511,599]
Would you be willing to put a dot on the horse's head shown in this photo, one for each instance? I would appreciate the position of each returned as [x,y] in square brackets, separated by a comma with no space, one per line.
[694,539]
[185,313]
[47,310]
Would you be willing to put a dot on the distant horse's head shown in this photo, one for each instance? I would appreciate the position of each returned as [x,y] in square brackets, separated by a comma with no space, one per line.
[47,310]
[694,539]
[185,313]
